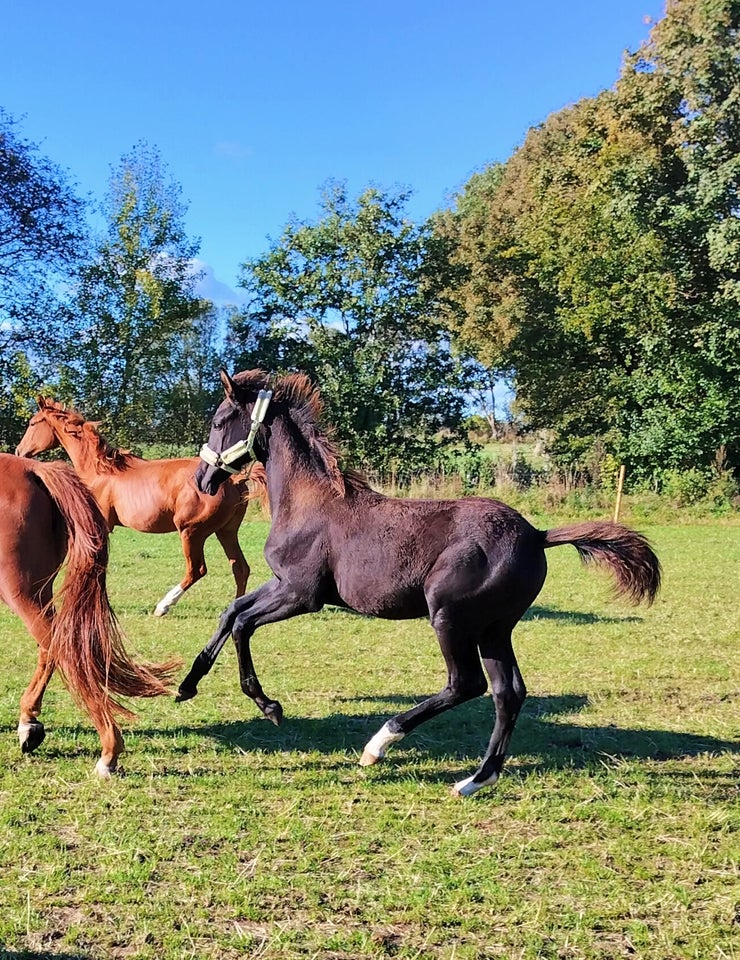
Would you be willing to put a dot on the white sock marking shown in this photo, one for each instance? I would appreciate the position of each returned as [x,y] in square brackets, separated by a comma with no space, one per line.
[168,601]
[379,743]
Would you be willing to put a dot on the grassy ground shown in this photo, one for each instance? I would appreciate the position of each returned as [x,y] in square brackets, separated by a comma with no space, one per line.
[613,832]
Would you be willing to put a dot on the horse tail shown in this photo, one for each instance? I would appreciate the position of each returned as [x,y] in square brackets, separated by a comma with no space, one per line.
[624,552]
[87,643]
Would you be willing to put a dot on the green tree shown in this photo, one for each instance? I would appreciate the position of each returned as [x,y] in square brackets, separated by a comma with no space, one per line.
[684,81]
[190,389]
[590,260]
[42,234]
[135,300]
[354,299]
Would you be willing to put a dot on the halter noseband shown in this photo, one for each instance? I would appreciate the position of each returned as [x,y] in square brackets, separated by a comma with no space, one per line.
[243,448]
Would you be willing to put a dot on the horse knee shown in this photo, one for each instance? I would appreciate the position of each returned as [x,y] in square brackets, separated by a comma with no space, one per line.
[242,630]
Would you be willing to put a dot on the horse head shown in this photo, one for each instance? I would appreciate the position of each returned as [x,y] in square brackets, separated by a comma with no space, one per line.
[233,439]
[40,434]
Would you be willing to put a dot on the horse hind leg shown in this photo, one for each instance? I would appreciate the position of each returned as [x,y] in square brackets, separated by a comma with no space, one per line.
[31,730]
[111,742]
[509,693]
[465,681]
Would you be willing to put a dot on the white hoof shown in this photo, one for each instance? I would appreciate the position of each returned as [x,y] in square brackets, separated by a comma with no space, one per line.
[104,771]
[368,759]
[168,601]
[377,745]
[468,786]
[30,735]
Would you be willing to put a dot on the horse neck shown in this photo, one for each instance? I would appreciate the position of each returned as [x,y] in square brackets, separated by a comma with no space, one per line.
[291,476]
[78,450]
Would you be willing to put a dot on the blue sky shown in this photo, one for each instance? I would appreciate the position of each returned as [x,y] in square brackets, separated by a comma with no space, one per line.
[254,106]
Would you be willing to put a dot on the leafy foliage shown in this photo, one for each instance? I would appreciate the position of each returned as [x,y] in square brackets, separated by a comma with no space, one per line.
[42,236]
[190,390]
[599,266]
[135,301]
[354,299]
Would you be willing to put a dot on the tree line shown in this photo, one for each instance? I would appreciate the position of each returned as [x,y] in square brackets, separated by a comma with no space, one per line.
[596,270]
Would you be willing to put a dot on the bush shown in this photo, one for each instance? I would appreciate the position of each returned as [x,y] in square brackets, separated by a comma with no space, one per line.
[685,487]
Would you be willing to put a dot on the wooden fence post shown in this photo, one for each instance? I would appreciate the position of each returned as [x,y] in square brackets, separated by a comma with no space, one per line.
[620,486]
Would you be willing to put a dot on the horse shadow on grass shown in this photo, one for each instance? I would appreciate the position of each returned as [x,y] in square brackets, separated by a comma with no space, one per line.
[543,735]
[576,617]
[533,613]
[39,955]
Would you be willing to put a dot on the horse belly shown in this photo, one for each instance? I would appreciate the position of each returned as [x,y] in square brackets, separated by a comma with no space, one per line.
[380,594]
[140,512]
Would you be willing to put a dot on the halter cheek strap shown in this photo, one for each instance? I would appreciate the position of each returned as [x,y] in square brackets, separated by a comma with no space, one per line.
[242,448]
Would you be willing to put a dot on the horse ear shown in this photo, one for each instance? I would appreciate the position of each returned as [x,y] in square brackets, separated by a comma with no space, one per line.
[41,401]
[229,385]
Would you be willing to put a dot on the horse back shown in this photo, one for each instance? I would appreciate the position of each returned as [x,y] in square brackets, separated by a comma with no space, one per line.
[159,496]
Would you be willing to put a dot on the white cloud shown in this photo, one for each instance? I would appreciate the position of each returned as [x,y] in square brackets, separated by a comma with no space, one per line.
[215,290]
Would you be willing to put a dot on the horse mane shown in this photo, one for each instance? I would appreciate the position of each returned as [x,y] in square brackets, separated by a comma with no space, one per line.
[306,408]
[108,459]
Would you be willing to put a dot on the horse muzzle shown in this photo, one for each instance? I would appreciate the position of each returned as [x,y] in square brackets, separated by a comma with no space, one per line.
[207,478]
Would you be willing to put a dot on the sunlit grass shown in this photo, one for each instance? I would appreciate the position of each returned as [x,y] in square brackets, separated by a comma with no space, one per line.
[612,833]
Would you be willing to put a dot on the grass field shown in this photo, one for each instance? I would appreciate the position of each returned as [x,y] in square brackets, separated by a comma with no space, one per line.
[612,833]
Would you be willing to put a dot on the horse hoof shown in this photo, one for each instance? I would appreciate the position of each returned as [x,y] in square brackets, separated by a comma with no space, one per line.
[31,735]
[161,611]
[105,770]
[368,759]
[185,692]
[274,712]
[465,788]
[469,786]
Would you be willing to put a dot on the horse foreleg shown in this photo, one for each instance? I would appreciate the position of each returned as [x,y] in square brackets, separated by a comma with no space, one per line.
[207,656]
[509,694]
[271,602]
[195,569]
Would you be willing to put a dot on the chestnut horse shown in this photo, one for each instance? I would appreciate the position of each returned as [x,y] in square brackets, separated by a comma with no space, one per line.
[472,566]
[153,496]
[47,513]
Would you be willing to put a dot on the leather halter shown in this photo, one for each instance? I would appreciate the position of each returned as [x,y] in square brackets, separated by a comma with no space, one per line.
[242,448]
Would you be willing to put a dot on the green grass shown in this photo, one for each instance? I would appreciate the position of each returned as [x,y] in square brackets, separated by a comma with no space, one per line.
[612,833]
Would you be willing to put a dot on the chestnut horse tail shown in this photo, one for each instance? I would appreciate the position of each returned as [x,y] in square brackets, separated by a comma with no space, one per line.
[87,643]
[625,553]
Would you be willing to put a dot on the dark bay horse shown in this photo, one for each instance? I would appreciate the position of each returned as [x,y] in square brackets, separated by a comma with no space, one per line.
[153,496]
[47,513]
[472,566]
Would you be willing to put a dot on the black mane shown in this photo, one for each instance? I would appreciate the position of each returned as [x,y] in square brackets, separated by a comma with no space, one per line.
[306,407]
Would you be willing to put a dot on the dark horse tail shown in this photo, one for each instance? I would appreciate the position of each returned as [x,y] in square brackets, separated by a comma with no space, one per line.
[87,644]
[625,553]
